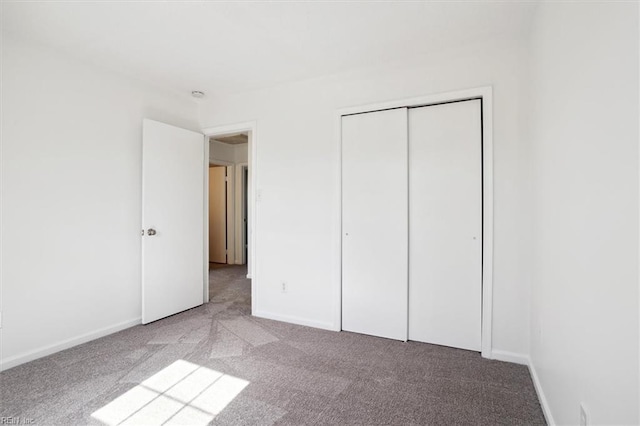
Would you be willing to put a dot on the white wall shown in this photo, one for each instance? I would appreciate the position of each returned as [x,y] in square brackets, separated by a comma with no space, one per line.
[228,153]
[71,182]
[298,168]
[584,157]
[220,151]
[241,153]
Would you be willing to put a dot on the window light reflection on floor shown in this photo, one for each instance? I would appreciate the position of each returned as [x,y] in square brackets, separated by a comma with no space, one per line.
[182,393]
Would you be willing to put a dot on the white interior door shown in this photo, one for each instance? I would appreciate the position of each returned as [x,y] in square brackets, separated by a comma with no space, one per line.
[217,215]
[445,217]
[172,219]
[374,223]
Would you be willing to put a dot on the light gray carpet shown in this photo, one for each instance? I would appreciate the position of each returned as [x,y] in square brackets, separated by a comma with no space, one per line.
[216,364]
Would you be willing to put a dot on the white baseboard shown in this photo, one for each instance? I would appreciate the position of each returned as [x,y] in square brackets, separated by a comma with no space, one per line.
[526,360]
[541,397]
[248,276]
[507,356]
[16,360]
[294,320]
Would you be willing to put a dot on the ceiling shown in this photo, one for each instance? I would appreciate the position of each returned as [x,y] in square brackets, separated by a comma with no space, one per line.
[225,47]
[233,139]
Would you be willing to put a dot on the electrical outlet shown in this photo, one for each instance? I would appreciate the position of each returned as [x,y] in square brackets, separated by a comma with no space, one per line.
[284,287]
[584,417]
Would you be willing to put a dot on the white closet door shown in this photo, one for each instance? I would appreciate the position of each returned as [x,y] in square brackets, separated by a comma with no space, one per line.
[445,222]
[374,223]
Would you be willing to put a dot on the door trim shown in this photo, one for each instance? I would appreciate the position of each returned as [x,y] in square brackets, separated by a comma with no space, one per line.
[486,95]
[239,206]
[223,130]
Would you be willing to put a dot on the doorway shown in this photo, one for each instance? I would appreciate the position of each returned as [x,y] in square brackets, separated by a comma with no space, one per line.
[230,211]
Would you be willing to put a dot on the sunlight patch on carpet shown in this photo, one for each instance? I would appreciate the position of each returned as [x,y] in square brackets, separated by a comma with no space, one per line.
[182,393]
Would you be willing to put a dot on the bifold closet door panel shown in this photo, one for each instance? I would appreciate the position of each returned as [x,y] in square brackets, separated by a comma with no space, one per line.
[374,223]
[445,224]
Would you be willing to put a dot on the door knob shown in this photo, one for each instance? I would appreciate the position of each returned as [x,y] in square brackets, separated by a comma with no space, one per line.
[151,232]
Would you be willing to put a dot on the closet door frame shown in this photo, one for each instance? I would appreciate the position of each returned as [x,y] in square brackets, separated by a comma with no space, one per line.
[485,94]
